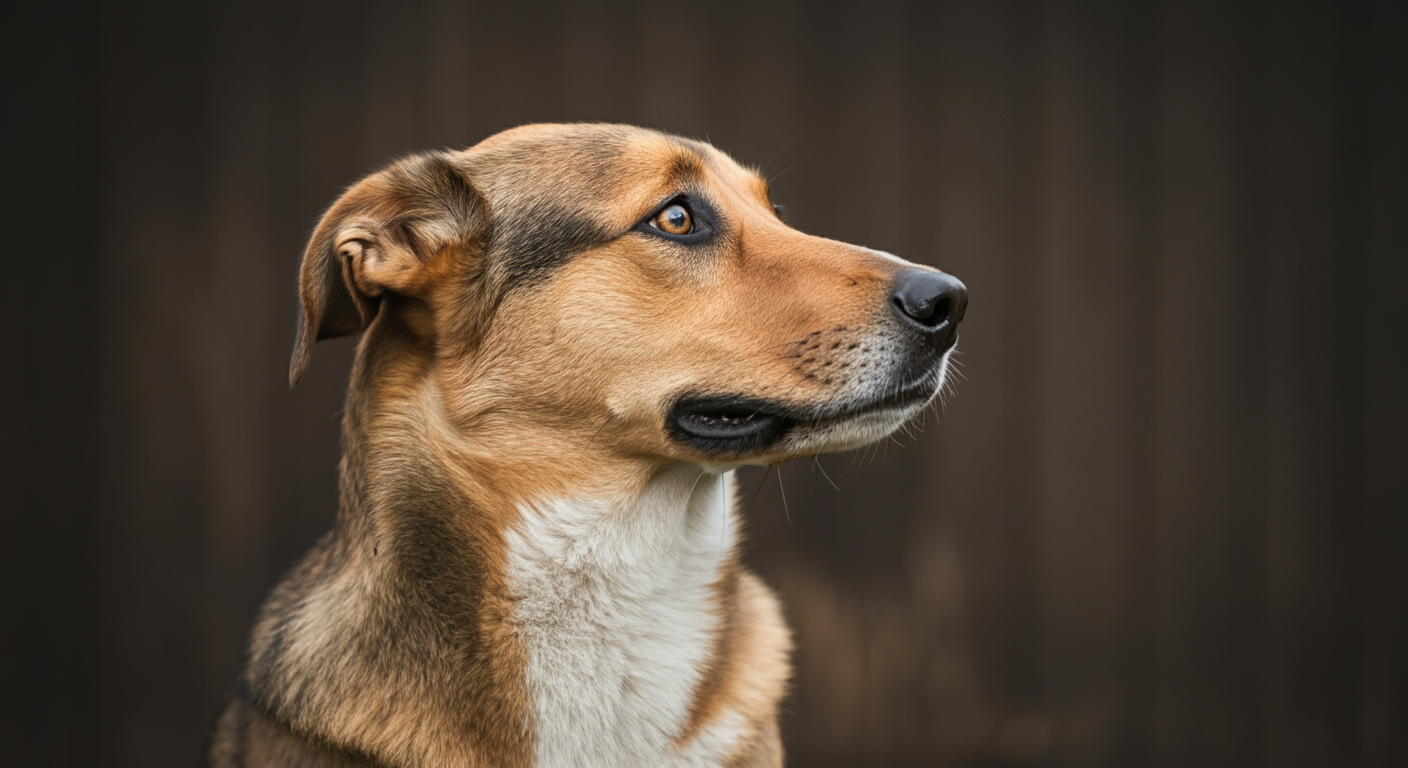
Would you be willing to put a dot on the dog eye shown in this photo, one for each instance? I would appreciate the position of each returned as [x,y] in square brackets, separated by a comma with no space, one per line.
[675,219]
[781,211]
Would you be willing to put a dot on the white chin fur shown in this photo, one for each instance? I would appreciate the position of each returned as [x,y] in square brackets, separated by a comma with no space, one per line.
[848,434]
[859,431]
[829,437]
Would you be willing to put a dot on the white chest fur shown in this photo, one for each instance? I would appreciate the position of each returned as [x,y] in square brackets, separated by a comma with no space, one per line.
[614,600]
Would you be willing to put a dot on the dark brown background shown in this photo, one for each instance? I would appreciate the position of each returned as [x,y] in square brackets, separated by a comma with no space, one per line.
[1163,522]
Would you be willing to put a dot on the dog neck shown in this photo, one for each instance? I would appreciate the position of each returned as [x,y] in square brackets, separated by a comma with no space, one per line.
[536,626]
[618,602]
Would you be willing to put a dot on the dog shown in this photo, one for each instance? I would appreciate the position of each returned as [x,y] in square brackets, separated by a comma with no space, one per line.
[570,336]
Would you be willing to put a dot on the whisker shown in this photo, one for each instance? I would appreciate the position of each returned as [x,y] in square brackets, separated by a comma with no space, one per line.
[761,480]
[778,152]
[788,168]
[783,490]
[852,462]
[817,464]
[723,519]
[596,434]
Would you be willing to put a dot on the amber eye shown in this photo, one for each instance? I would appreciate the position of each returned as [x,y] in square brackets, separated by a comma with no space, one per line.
[675,219]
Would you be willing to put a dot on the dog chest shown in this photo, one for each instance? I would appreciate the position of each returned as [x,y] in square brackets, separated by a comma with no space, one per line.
[616,603]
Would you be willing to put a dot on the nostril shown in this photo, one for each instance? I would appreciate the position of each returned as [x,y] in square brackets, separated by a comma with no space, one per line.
[931,313]
[940,314]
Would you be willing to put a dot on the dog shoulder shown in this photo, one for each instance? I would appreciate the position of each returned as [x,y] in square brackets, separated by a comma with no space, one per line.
[247,738]
[765,668]
[742,689]
[764,750]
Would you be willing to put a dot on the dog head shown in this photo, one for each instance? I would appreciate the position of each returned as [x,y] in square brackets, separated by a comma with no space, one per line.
[629,290]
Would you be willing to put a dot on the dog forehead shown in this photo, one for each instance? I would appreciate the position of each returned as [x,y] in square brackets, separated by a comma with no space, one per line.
[613,167]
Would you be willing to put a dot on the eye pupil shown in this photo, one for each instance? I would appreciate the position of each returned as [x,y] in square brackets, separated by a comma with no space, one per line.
[675,220]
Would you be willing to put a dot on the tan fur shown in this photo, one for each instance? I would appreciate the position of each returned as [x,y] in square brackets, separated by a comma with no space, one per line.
[495,371]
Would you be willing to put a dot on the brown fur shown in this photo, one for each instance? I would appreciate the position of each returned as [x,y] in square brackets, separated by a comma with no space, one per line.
[521,342]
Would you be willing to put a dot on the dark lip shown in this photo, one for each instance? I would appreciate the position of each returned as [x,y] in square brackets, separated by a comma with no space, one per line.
[733,424]
[728,424]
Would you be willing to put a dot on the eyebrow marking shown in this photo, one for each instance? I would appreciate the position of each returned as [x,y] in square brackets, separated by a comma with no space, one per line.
[685,165]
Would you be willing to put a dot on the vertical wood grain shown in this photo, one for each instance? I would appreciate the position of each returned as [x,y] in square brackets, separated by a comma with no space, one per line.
[1160,524]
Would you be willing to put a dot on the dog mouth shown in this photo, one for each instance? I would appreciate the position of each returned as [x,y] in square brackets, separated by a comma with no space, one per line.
[732,425]
[728,424]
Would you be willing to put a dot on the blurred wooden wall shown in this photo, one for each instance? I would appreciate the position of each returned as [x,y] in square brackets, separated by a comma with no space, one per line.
[1161,524]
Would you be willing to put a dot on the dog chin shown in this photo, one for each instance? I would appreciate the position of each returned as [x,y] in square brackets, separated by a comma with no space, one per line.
[704,423]
[855,432]
[848,433]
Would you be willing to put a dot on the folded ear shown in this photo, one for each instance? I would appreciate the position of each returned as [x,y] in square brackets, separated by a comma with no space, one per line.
[388,233]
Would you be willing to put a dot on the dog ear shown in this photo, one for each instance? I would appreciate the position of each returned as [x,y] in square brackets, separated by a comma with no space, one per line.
[388,233]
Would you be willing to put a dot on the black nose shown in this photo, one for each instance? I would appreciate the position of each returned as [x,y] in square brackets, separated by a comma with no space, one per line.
[930,301]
